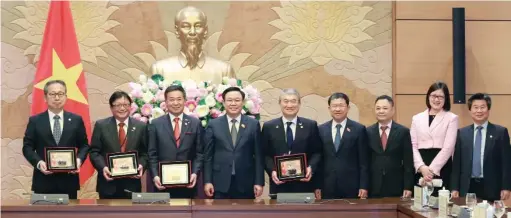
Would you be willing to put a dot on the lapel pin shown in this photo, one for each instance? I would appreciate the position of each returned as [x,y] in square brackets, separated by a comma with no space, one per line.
[276,127]
[69,119]
[301,125]
[491,136]
[242,125]
[186,123]
[348,129]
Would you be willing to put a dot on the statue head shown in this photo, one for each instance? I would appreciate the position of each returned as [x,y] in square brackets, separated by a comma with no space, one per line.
[191,29]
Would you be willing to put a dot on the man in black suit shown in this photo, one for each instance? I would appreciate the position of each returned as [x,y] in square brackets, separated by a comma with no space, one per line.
[481,162]
[176,137]
[291,134]
[117,134]
[53,128]
[233,166]
[390,147]
[345,153]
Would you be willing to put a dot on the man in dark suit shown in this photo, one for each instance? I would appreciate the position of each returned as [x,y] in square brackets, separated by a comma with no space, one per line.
[345,153]
[390,147]
[116,134]
[481,162]
[291,134]
[176,137]
[53,128]
[233,166]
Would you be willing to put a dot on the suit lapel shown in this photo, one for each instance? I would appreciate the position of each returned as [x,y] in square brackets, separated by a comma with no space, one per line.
[345,134]
[130,136]
[227,134]
[470,138]
[489,142]
[185,127]
[46,126]
[112,129]
[391,137]
[328,135]
[170,130]
[300,133]
[378,147]
[241,129]
[438,119]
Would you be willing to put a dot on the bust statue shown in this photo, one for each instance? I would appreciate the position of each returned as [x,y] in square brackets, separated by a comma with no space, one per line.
[192,63]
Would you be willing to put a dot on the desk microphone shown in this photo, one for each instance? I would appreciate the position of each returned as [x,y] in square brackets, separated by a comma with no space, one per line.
[128,191]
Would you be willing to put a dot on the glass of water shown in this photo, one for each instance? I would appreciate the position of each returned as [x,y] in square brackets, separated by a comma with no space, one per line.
[471,200]
[500,208]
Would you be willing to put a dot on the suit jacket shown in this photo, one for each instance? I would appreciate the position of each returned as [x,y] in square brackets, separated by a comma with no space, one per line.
[105,140]
[306,141]
[391,169]
[38,135]
[162,144]
[346,170]
[440,134]
[220,153]
[496,162]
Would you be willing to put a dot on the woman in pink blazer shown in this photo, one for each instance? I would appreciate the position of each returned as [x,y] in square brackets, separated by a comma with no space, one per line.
[433,133]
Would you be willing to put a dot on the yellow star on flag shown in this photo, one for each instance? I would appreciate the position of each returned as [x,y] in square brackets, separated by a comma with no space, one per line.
[68,75]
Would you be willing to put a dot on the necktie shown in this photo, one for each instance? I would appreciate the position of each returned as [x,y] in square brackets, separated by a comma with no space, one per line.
[337,141]
[57,132]
[234,132]
[289,135]
[476,157]
[177,131]
[384,137]
[122,137]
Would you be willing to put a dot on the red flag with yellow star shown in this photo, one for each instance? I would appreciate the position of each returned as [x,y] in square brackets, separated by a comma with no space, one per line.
[60,59]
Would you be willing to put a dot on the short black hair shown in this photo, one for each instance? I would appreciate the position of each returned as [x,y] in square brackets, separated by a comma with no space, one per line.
[385,97]
[479,96]
[51,82]
[447,99]
[339,95]
[233,89]
[117,95]
[175,88]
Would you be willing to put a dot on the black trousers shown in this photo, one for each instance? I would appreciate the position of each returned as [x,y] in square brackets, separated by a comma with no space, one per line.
[234,192]
[477,187]
[180,192]
[445,173]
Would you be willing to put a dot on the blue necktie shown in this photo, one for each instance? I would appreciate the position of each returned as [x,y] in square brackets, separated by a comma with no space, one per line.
[476,154]
[337,141]
[289,135]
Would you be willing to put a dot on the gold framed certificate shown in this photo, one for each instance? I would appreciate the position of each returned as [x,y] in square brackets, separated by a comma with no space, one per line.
[60,159]
[175,173]
[291,167]
[123,164]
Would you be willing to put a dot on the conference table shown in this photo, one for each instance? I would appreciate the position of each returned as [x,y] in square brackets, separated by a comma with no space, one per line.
[209,208]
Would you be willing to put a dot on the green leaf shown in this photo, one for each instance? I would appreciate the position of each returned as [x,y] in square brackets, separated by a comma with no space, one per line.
[239,82]
[157,78]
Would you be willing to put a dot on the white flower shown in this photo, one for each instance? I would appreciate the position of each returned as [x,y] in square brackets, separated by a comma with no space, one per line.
[147,97]
[225,80]
[202,110]
[157,112]
[210,100]
[142,78]
[189,84]
[204,123]
[145,87]
[249,104]
[221,88]
[201,85]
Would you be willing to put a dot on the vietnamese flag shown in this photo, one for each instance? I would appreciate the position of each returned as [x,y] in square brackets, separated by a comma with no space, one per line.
[60,59]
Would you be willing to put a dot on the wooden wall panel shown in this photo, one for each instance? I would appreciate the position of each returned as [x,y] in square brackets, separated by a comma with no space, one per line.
[474,10]
[424,54]
[409,105]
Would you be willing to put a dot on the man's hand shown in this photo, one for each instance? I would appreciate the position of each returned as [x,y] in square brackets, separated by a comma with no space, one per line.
[362,193]
[455,194]
[157,183]
[258,190]
[78,165]
[140,172]
[407,194]
[107,174]
[308,175]
[504,194]
[275,178]
[317,194]
[43,168]
[193,180]
[209,189]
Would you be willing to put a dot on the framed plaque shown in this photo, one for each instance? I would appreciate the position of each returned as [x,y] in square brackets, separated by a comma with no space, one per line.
[60,159]
[175,173]
[291,167]
[123,164]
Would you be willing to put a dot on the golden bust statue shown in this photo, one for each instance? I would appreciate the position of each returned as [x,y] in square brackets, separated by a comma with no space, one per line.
[192,63]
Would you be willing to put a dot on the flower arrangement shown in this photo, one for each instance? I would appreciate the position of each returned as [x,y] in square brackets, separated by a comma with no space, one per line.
[203,100]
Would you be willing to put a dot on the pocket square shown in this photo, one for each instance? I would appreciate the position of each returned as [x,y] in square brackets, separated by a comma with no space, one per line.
[188,133]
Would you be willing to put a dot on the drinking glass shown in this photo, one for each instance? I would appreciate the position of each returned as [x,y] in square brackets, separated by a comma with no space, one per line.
[500,208]
[471,200]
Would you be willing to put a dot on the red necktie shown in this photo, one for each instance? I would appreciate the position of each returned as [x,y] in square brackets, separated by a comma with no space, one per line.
[122,137]
[384,137]
[177,132]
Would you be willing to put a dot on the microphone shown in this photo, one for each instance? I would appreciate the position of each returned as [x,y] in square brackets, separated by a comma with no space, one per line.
[128,191]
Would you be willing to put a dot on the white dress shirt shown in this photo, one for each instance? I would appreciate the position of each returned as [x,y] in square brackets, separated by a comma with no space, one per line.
[125,125]
[293,126]
[334,129]
[387,130]
[483,142]
[238,121]
[52,122]
[180,123]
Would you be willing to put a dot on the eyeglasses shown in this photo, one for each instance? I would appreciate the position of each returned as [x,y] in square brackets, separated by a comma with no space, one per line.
[59,94]
[230,101]
[439,97]
[341,106]
[118,106]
